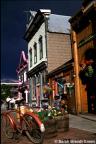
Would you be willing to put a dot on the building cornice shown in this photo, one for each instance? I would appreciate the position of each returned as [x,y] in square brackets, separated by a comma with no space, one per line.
[37,69]
[36,23]
[83,16]
[63,68]
[13,84]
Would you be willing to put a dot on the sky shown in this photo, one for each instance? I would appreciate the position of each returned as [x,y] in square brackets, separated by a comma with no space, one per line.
[13,26]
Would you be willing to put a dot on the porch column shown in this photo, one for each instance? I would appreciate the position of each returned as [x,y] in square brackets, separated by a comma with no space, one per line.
[76,69]
[41,89]
[30,95]
[26,95]
[19,95]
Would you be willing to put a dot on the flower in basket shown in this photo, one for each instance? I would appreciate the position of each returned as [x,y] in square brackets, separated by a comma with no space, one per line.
[47,90]
[89,71]
[55,112]
[63,106]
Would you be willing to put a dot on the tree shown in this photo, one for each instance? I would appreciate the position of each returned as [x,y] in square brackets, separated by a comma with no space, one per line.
[5,91]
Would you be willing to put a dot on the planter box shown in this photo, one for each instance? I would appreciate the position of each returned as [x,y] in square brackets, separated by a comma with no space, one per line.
[50,128]
[62,123]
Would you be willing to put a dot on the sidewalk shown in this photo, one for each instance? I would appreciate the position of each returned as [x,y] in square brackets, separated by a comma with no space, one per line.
[83,122]
[88,116]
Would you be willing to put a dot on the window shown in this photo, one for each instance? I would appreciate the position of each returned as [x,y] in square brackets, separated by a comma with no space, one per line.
[41,47]
[34,87]
[44,77]
[30,52]
[35,53]
[60,83]
[38,79]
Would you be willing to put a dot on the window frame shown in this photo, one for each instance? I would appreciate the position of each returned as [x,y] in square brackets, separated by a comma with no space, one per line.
[30,52]
[35,53]
[40,47]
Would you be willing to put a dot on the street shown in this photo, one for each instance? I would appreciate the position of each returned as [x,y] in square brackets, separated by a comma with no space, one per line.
[74,135]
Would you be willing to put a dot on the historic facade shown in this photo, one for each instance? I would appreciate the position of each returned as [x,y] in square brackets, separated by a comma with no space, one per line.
[61,80]
[84,52]
[49,46]
[22,69]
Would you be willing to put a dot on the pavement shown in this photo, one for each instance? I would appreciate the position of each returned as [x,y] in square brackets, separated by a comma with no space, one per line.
[82,129]
[85,122]
[88,116]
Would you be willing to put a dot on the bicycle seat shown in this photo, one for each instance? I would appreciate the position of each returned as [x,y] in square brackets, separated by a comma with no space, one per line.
[19,101]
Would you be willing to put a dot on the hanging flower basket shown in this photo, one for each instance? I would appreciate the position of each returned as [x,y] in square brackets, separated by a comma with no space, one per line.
[86,74]
[47,90]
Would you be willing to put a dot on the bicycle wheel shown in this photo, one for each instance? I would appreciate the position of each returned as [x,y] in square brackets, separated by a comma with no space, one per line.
[32,130]
[7,130]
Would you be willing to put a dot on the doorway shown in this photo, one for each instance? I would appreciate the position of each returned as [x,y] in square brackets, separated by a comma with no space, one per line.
[91,95]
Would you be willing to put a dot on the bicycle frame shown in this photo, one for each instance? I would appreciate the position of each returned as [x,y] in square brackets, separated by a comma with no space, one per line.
[19,126]
[10,119]
[35,116]
[29,122]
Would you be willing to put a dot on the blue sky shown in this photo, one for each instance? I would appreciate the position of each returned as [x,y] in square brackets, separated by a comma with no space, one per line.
[13,24]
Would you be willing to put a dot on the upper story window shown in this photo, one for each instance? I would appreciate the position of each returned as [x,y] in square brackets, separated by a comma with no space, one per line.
[41,47]
[30,55]
[35,53]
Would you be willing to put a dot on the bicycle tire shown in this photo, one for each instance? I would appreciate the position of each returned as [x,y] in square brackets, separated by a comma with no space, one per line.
[33,131]
[7,129]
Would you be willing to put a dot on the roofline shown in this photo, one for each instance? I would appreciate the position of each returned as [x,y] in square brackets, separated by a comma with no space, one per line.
[63,67]
[5,83]
[83,10]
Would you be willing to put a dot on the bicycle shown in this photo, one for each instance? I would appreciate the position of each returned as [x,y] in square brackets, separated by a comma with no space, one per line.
[28,122]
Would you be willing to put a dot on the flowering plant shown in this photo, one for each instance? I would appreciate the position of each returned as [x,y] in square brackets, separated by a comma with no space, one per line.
[49,113]
[47,90]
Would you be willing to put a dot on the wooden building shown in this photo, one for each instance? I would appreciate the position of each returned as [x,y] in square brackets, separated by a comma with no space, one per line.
[61,81]
[49,46]
[83,38]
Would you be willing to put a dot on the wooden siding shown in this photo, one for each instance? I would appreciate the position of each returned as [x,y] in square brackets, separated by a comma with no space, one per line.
[82,50]
[84,104]
[84,33]
[58,50]
[81,36]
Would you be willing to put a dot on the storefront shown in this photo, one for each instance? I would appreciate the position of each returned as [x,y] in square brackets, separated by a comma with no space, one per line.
[62,83]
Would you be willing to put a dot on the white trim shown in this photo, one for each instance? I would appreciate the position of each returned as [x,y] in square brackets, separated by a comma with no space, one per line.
[10,83]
